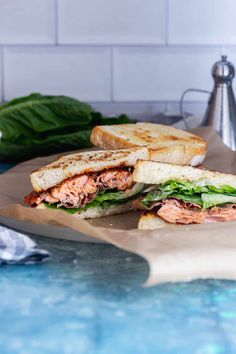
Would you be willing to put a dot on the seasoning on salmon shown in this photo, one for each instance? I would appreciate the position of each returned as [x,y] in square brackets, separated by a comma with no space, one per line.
[35,198]
[76,192]
[111,179]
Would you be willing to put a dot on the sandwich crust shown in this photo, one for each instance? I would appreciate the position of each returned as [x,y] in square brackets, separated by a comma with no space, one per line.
[151,172]
[150,221]
[84,162]
[165,143]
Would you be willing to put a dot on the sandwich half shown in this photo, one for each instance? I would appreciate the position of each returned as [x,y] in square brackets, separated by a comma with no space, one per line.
[165,143]
[183,195]
[88,184]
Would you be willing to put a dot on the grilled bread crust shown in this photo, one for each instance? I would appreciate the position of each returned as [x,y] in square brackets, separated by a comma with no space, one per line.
[150,221]
[84,162]
[151,172]
[165,143]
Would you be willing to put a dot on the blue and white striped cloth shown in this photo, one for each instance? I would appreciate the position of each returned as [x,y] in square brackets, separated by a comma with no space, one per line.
[17,248]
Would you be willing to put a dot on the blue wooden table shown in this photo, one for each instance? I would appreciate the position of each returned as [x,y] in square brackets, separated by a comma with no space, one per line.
[89,299]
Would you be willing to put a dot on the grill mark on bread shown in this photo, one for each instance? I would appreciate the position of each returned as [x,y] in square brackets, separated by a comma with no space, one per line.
[180,147]
[164,133]
[143,135]
[62,163]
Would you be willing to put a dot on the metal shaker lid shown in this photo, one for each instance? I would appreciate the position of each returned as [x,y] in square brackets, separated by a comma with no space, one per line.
[223,71]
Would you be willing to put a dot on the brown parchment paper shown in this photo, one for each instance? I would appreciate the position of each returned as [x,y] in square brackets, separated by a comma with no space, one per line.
[174,253]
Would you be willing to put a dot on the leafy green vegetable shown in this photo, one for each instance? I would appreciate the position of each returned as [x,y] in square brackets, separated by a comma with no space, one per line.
[210,200]
[120,195]
[185,187]
[72,210]
[105,199]
[194,198]
[194,188]
[37,125]
[156,196]
[204,195]
[38,114]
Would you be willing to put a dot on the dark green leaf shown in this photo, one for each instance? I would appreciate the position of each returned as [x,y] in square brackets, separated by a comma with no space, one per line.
[36,114]
[37,125]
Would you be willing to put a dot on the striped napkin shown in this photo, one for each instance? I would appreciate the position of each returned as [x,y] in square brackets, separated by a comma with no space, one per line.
[17,248]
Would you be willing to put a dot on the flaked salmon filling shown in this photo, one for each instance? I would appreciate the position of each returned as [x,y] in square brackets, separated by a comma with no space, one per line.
[178,212]
[80,190]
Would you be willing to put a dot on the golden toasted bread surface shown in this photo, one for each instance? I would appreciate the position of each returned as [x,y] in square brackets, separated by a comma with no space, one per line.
[165,143]
[84,162]
[151,172]
[150,221]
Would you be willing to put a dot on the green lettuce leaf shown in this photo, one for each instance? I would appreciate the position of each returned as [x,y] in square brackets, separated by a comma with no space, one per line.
[210,200]
[195,188]
[75,210]
[155,196]
[194,198]
[205,196]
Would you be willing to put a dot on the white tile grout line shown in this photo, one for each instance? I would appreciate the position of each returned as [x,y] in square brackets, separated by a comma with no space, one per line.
[167,24]
[141,102]
[112,73]
[132,45]
[2,74]
[56,21]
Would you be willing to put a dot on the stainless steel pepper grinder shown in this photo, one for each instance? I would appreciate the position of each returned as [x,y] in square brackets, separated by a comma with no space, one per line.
[221,111]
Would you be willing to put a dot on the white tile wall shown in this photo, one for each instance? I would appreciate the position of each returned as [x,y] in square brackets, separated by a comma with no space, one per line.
[202,22]
[159,74]
[113,22]
[135,110]
[118,52]
[80,72]
[27,21]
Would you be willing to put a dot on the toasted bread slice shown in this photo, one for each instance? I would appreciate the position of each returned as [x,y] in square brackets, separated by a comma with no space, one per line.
[151,172]
[165,143]
[97,212]
[150,221]
[84,162]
